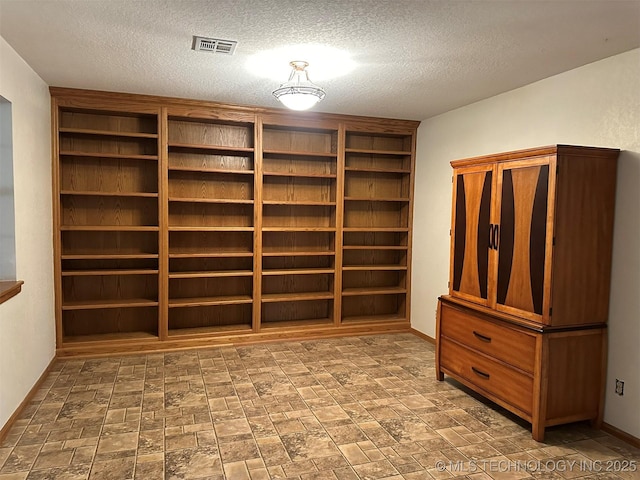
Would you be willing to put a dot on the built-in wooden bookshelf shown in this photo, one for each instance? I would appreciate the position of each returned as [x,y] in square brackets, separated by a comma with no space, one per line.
[378,193]
[211,184]
[299,175]
[107,205]
[182,223]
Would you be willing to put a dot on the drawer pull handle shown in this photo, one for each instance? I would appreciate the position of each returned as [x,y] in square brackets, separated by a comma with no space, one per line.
[480,373]
[482,337]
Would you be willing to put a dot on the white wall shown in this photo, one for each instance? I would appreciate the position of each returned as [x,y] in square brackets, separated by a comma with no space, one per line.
[27,331]
[596,105]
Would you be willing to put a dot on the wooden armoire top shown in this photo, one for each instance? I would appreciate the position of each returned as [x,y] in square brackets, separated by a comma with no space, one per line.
[537,152]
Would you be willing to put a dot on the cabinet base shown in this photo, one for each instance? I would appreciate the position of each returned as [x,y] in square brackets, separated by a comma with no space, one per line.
[566,368]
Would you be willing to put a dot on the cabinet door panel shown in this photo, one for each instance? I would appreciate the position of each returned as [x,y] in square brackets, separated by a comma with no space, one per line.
[470,234]
[523,237]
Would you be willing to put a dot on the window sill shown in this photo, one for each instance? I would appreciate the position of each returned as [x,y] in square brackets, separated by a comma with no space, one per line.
[9,289]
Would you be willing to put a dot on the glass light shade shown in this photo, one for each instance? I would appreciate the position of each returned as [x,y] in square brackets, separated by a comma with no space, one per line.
[299,93]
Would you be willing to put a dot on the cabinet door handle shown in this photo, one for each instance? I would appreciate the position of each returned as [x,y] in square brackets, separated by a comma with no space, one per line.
[480,373]
[494,241]
[491,225]
[484,338]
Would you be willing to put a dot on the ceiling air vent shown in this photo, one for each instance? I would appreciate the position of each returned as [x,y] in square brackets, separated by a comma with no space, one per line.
[214,45]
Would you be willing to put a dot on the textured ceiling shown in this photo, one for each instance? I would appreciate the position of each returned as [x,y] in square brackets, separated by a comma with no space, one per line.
[413,59]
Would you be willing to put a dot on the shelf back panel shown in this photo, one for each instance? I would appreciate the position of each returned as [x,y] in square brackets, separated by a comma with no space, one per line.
[374,305]
[110,321]
[194,132]
[298,241]
[204,161]
[210,316]
[109,243]
[298,165]
[117,122]
[210,242]
[108,175]
[299,140]
[108,211]
[273,313]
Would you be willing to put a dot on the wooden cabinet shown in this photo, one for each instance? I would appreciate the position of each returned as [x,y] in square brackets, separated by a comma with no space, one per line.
[183,223]
[531,242]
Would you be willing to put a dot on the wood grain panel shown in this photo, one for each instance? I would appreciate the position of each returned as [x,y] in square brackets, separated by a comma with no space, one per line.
[574,375]
[90,174]
[373,279]
[204,161]
[469,279]
[367,141]
[373,257]
[490,376]
[106,288]
[479,333]
[83,143]
[194,132]
[186,214]
[209,287]
[109,243]
[297,283]
[103,211]
[375,214]
[287,139]
[378,162]
[298,216]
[374,306]
[519,291]
[298,262]
[375,185]
[210,185]
[298,189]
[109,321]
[375,239]
[582,254]
[214,317]
[210,243]
[108,121]
[301,311]
[217,264]
[538,239]
[301,165]
[278,242]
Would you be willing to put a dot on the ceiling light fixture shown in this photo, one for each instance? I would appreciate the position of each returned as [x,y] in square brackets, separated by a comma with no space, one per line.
[299,93]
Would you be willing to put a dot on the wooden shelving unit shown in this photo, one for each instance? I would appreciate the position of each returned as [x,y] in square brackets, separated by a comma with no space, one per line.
[299,175]
[211,184]
[107,217]
[183,223]
[378,193]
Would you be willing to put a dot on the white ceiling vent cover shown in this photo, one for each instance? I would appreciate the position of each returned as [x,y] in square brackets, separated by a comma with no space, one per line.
[214,45]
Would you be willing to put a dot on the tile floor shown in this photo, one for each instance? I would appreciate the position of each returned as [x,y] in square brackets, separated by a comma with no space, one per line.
[349,408]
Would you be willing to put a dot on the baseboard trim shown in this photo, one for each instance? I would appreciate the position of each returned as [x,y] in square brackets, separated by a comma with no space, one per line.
[622,435]
[423,336]
[27,399]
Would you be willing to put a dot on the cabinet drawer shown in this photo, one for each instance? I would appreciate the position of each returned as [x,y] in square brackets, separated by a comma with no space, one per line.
[509,345]
[506,383]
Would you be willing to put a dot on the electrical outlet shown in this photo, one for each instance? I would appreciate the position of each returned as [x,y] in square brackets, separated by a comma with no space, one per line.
[619,387]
